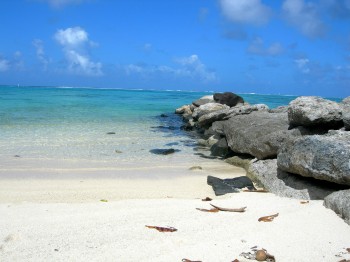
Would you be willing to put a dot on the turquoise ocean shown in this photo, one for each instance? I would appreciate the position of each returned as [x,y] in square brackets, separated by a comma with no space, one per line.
[57,123]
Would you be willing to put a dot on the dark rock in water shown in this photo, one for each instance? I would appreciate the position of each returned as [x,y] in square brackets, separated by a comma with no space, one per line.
[166,151]
[315,111]
[165,127]
[220,148]
[228,98]
[339,202]
[187,127]
[111,133]
[267,175]
[230,185]
[17,156]
[205,156]
[164,115]
[172,144]
[323,157]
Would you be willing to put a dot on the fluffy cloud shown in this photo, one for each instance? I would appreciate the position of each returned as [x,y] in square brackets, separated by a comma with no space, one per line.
[303,65]
[190,67]
[40,52]
[62,3]
[257,47]
[75,43]
[304,16]
[246,11]
[4,65]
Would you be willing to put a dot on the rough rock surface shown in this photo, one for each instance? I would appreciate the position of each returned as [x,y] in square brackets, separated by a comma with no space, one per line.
[207,119]
[207,108]
[203,100]
[228,98]
[313,111]
[339,202]
[266,174]
[259,134]
[231,185]
[220,148]
[346,112]
[324,157]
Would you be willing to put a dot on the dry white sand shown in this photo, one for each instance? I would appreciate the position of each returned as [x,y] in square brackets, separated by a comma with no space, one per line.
[62,219]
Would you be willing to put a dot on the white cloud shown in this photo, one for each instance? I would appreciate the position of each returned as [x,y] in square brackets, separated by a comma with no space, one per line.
[257,47]
[62,3]
[4,65]
[302,64]
[75,42]
[304,16]
[246,11]
[40,52]
[190,67]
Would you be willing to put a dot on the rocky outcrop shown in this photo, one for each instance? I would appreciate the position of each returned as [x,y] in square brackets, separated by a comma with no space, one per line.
[207,119]
[339,202]
[314,111]
[207,108]
[203,100]
[266,174]
[324,157]
[259,134]
[228,98]
[346,112]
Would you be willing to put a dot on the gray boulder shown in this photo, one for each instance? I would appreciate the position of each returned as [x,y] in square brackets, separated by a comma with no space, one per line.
[346,112]
[229,185]
[220,148]
[339,202]
[314,111]
[266,174]
[203,100]
[259,134]
[207,119]
[228,98]
[207,108]
[322,157]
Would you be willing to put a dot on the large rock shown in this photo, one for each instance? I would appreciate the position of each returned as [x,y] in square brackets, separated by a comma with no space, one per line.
[259,134]
[324,157]
[207,119]
[185,109]
[228,98]
[220,148]
[346,112]
[266,174]
[230,185]
[339,202]
[203,100]
[314,111]
[207,108]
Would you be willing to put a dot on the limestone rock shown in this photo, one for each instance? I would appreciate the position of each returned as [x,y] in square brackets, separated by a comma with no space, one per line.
[259,134]
[230,185]
[266,174]
[314,111]
[339,202]
[324,157]
[207,108]
[228,98]
[207,119]
[203,100]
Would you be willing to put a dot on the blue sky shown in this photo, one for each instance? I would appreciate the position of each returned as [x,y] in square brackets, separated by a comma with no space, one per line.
[278,47]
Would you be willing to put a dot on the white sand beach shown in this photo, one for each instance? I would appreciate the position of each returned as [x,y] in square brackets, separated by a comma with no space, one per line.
[62,218]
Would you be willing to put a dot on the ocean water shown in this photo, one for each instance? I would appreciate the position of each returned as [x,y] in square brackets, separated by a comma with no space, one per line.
[50,123]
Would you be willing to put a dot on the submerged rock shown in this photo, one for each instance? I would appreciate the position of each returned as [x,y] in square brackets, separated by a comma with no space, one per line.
[322,157]
[339,202]
[314,111]
[228,98]
[165,151]
[231,185]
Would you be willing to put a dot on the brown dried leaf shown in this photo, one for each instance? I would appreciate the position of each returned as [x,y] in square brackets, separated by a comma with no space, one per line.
[163,229]
[242,209]
[267,218]
[348,249]
[207,199]
[304,202]
[188,260]
[213,210]
[256,191]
